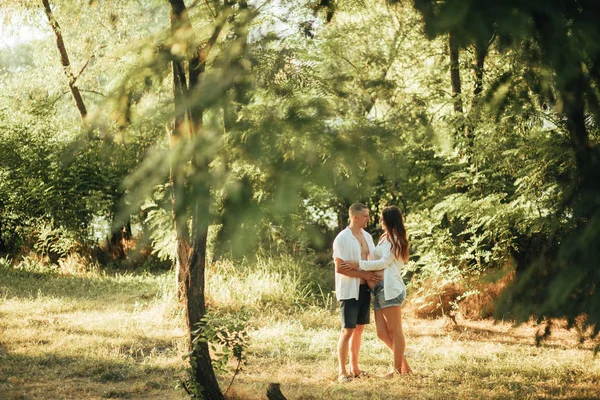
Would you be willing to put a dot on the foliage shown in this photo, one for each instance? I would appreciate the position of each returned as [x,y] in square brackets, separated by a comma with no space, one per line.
[307,107]
[286,283]
[158,223]
[228,339]
[55,243]
[560,62]
[54,170]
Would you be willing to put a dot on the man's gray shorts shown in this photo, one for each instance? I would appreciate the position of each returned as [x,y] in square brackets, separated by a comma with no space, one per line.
[356,312]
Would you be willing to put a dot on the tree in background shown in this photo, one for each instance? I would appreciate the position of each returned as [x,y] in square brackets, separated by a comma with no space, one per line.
[562,61]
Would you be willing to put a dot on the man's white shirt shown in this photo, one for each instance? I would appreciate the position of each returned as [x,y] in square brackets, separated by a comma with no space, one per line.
[347,247]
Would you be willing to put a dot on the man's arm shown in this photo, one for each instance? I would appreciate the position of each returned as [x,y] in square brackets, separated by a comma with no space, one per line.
[355,273]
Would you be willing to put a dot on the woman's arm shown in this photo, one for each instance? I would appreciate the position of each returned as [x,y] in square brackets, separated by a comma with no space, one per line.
[374,265]
[342,267]
[351,267]
[385,261]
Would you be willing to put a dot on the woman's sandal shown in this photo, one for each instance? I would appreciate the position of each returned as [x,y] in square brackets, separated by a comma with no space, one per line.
[344,378]
[392,374]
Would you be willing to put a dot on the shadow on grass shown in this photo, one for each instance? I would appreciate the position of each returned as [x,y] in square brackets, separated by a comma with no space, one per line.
[447,384]
[427,387]
[78,367]
[28,285]
[3,351]
[514,338]
[26,374]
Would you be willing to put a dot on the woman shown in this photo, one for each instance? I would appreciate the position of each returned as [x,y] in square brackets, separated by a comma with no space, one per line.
[390,255]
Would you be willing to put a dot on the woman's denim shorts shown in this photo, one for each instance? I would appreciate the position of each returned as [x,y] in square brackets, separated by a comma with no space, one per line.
[380,302]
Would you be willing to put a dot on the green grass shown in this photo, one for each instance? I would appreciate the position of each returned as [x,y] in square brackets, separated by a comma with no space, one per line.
[98,336]
[88,336]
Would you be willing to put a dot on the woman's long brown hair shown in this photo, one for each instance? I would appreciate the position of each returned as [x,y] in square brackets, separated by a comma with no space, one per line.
[393,220]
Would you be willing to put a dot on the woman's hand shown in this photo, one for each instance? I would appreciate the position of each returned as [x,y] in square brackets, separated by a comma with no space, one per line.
[349,265]
[374,278]
[378,276]
[371,281]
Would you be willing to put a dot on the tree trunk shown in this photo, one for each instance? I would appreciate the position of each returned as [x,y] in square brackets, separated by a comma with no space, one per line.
[456,89]
[177,180]
[342,214]
[181,266]
[574,106]
[177,176]
[64,59]
[191,264]
[480,54]
[196,309]
[455,73]
[2,249]
[573,96]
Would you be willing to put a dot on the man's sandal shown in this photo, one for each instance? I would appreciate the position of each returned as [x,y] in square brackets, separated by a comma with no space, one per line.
[344,378]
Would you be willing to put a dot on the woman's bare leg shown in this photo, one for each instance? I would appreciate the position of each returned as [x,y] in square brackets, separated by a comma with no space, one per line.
[383,332]
[393,317]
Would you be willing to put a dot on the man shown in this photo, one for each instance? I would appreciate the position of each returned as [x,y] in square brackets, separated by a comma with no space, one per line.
[351,290]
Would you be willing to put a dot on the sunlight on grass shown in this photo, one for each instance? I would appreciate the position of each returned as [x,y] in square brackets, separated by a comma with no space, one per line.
[115,336]
[123,336]
[277,284]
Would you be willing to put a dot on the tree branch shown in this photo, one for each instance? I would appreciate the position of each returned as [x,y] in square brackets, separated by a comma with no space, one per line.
[64,58]
[83,68]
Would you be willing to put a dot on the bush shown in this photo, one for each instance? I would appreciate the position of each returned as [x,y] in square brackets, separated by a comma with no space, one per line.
[55,243]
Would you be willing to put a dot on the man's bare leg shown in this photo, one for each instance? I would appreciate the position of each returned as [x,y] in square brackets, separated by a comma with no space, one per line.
[355,349]
[343,343]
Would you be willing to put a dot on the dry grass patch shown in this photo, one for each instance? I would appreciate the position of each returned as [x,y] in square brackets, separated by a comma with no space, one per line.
[473,360]
[88,337]
[122,336]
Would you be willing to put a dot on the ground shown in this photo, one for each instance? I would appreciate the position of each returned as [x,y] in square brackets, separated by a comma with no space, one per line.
[122,336]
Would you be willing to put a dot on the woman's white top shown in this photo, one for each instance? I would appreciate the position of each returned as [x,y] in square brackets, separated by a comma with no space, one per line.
[384,259]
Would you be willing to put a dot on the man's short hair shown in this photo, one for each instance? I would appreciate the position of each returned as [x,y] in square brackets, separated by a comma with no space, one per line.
[355,208]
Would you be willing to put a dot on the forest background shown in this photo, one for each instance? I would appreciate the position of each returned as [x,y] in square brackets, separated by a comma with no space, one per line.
[199,144]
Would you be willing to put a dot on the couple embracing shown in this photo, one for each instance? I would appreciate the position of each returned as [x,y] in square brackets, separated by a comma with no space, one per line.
[362,268]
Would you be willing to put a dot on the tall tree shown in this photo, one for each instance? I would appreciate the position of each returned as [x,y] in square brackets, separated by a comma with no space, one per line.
[191,194]
[191,246]
[480,48]
[454,47]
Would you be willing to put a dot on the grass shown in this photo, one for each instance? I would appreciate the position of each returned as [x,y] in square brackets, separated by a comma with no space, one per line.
[98,336]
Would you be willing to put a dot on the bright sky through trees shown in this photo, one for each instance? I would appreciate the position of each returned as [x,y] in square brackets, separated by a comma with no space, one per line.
[21,26]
